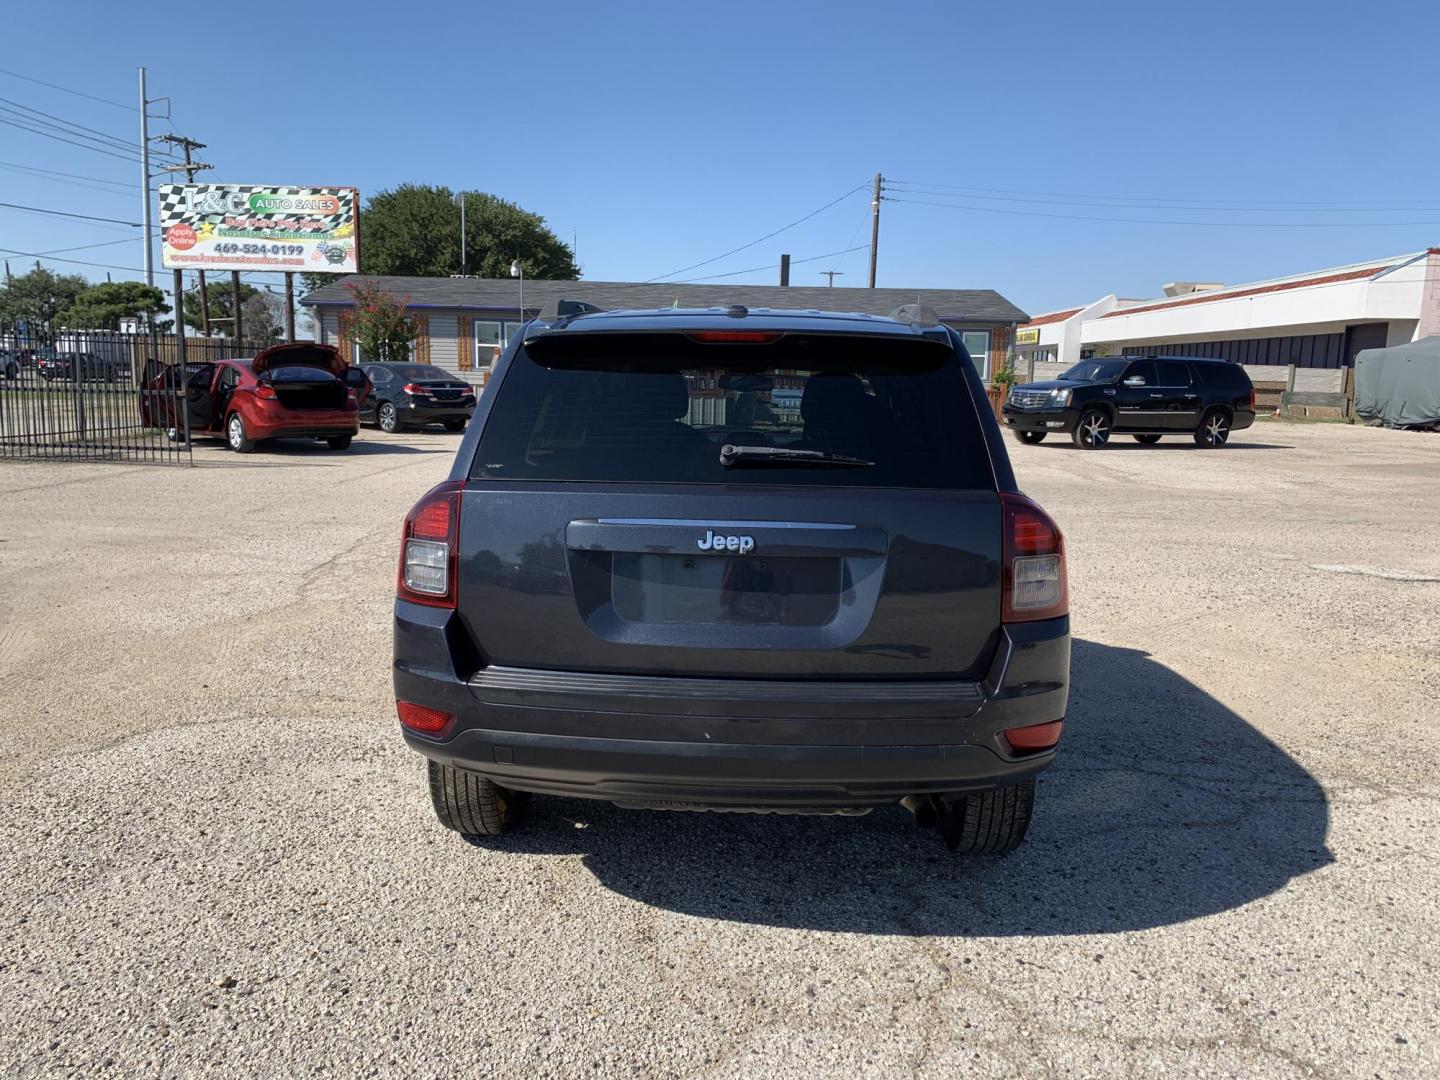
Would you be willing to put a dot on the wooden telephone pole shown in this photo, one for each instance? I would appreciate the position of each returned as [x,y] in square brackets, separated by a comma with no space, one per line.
[875,227]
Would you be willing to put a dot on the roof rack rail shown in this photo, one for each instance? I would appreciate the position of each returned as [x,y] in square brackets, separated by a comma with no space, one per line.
[566,309]
[916,314]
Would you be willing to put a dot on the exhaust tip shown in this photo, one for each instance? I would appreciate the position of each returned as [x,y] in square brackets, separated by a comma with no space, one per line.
[923,809]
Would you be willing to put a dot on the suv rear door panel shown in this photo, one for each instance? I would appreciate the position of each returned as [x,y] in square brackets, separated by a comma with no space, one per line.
[865,584]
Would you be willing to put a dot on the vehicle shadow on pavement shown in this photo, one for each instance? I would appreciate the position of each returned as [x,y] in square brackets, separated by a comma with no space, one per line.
[1164,806]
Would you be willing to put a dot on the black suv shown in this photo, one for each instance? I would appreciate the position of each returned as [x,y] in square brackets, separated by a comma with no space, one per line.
[1147,397]
[769,561]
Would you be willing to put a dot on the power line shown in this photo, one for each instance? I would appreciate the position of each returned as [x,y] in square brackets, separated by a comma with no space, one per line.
[67,90]
[1137,198]
[1181,206]
[67,213]
[1164,221]
[77,262]
[767,266]
[57,173]
[752,243]
[72,142]
[67,123]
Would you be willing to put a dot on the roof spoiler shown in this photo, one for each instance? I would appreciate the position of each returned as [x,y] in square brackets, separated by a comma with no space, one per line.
[916,314]
[566,309]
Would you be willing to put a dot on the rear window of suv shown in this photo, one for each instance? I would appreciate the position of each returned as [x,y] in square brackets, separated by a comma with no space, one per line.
[657,408]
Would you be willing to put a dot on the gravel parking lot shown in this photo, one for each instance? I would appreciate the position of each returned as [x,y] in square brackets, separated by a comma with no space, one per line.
[216,854]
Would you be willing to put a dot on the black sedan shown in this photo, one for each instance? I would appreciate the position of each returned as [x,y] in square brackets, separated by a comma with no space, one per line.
[414,395]
[83,367]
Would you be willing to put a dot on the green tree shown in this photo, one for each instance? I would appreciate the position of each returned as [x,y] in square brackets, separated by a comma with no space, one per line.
[379,324]
[222,306]
[41,298]
[414,230]
[103,306]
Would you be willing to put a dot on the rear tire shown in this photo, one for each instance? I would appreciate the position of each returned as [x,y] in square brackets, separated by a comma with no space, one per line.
[1030,437]
[387,418]
[339,442]
[1092,431]
[1148,440]
[472,805]
[1214,429]
[989,822]
[454,425]
[236,436]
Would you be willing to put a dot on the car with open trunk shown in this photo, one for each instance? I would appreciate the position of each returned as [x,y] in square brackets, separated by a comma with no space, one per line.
[719,559]
[296,390]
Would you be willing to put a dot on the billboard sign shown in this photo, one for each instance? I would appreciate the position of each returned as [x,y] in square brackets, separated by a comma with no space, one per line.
[259,227]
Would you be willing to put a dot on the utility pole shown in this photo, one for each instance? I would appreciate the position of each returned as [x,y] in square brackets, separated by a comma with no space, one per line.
[190,168]
[831,275]
[145,180]
[784,270]
[875,228]
[460,198]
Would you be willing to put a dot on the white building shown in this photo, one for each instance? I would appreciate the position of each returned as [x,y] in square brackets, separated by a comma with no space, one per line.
[1319,319]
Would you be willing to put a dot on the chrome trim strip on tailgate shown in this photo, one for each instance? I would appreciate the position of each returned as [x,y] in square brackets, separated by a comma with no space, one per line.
[507,682]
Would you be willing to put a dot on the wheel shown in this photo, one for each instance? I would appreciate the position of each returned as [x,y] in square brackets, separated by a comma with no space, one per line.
[235,435]
[1030,436]
[387,418]
[1093,430]
[472,805]
[454,425]
[1214,429]
[339,442]
[1148,440]
[989,822]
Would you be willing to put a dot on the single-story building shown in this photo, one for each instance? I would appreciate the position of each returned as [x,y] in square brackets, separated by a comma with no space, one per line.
[1315,320]
[466,322]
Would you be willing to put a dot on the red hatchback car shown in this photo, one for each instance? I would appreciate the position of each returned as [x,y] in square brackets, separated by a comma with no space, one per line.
[298,390]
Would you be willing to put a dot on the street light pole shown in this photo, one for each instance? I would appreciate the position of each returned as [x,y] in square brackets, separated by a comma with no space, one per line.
[516,270]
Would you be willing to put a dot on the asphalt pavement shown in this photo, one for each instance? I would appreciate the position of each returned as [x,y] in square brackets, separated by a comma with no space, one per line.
[216,854]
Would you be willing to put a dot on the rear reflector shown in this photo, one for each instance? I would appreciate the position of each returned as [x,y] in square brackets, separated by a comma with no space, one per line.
[1034,737]
[736,337]
[419,718]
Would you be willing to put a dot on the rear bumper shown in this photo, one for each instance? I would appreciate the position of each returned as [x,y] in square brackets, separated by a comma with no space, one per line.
[413,412]
[732,743]
[297,423]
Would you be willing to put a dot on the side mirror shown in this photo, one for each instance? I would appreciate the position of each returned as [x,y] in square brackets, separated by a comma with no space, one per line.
[1135,380]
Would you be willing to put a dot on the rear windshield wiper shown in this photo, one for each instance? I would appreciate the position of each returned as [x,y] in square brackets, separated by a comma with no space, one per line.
[778,455]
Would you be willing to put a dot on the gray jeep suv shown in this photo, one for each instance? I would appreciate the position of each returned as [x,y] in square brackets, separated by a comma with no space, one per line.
[767,561]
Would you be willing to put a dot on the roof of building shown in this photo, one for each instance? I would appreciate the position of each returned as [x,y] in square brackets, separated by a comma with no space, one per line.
[502,294]
[1259,288]
[1053,317]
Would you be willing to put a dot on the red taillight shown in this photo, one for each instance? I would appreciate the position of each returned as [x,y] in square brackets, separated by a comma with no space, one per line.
[419,718]
[1033,584]
[416,389]
[429,545]
[1252,397]
[265,392]
[736,337]
[1035,736]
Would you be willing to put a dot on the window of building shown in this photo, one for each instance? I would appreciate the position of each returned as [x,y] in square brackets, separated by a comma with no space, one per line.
[977,344]
[491,336]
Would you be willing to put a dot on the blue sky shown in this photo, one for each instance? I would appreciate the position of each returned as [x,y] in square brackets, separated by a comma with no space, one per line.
[659,135]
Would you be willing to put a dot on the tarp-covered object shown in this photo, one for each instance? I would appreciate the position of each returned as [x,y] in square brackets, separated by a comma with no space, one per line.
[1399,386]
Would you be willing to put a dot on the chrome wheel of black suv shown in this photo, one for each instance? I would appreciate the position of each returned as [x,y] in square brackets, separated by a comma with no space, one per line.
[768,562]
[1214,430]
[1093,430]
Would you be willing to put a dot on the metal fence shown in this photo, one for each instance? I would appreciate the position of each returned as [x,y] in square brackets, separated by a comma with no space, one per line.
[99,395]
